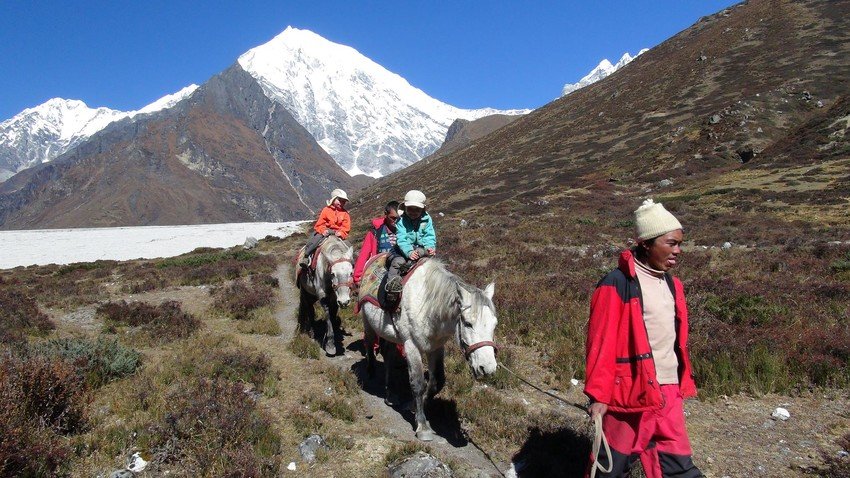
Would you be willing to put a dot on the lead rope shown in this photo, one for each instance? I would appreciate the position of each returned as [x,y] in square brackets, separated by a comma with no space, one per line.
[599,438]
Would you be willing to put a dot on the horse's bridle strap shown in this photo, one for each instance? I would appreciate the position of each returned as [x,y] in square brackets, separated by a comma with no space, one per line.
[486,343]
[348,284]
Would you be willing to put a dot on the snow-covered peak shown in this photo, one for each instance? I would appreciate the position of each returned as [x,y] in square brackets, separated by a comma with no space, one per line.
[167,101]
[40,134]
[604,69]
[64,118]
[366,117]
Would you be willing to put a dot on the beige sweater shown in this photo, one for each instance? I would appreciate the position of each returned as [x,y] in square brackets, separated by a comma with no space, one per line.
[659,314]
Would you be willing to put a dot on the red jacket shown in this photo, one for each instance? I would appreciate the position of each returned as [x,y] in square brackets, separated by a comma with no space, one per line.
[368,249]
[335,220]
[620,370]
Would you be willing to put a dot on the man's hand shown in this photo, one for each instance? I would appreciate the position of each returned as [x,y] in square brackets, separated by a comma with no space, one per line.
[338,234]
[432,252]
[414,255]
[597,408]
[326,233]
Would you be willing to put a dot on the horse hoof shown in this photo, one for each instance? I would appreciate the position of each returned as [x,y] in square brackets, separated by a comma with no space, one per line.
[425,435]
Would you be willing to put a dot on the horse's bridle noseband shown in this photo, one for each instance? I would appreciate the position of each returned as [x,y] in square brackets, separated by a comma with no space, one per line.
[349,283]
[468,349]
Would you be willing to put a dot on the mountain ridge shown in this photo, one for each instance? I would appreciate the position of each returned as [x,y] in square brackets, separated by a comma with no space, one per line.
[40,134]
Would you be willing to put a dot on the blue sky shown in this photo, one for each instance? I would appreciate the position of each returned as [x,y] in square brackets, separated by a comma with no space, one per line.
[503,54]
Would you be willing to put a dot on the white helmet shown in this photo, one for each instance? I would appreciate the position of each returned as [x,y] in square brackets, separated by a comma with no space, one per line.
[414,198]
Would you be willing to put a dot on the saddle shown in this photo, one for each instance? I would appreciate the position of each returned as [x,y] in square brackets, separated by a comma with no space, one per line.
[374,281]
[313,261]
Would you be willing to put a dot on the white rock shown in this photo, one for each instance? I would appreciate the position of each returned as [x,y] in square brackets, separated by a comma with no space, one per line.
[574,382]
[780,414]
[291,466]
[137,463]
[727,245]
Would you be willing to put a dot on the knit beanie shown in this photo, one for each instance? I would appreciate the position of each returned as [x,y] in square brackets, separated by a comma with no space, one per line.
[652,220]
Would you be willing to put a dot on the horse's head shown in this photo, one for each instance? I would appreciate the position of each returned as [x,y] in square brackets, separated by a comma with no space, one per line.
[341,281]
[339,256]
[475,329]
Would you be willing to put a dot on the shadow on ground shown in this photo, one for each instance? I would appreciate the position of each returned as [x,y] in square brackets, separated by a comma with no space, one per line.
[561,453]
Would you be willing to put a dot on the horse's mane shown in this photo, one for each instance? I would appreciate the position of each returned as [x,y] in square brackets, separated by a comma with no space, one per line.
[443,299]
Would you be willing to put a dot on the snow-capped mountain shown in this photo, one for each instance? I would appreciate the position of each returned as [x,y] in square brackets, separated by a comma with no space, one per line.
[40,134]
[605,68]
[370,120]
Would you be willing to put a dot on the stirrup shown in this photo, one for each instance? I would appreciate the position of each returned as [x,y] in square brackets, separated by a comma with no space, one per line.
[394,286]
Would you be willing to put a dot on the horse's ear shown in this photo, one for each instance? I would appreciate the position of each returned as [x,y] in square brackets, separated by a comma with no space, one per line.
[465,297]
[490,290]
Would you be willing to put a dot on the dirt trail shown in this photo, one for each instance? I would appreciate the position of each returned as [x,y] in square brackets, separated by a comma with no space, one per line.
[392,422]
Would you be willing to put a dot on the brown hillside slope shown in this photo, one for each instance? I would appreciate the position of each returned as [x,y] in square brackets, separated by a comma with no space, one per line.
[226,154]
[690,110]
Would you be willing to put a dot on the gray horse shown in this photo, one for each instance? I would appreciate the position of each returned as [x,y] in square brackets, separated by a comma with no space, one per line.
[331,286]
[435,306]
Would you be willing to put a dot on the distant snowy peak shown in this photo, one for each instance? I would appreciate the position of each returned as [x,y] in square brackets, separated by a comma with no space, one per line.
[370,120]
[604,69]
[40,134]
[166,101]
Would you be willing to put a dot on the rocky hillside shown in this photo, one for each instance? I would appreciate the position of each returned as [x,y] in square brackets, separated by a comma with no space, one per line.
[463,132]
[739,119]
[225,154]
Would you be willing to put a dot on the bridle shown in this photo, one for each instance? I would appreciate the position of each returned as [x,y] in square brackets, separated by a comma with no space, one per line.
[468,349]
[349,283]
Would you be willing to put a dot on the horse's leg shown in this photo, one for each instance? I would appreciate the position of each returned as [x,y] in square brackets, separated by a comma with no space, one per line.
[324,332]
[306,313]
[369,337]
[332,336]
[436,372]
[389,366]
[418,386]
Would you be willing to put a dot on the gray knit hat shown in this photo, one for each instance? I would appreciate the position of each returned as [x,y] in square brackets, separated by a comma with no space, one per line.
[652,220]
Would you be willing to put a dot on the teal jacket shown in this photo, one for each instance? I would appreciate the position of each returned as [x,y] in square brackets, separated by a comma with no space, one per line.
[418,233]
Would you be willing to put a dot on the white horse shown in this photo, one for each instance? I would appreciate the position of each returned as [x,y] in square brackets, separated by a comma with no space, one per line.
[331,286]
[435,306]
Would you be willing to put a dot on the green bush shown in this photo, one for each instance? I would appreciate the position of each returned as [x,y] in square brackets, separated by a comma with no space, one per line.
[97,362]
[305,347]
[752,310]
[206,258]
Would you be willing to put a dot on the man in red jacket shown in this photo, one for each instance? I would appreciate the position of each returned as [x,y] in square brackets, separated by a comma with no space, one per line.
[638,368]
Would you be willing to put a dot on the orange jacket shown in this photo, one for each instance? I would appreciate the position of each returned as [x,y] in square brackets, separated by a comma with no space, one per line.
[335,220]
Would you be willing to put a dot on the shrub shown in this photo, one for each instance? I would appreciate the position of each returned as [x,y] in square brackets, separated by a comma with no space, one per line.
[304,347]
[241,298]
[745,309]
[19,315]
[212,428]
[42,399]
[236,364]
[162,323]
[265,324]
[404,450]
[97,362]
